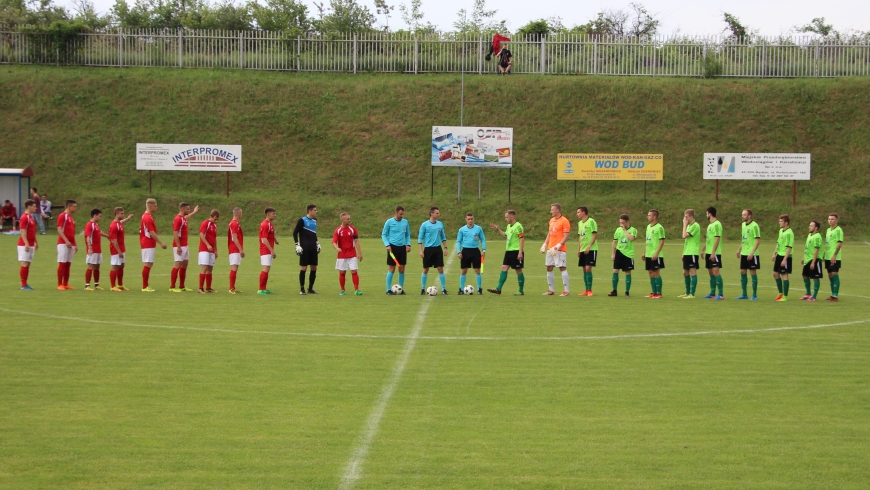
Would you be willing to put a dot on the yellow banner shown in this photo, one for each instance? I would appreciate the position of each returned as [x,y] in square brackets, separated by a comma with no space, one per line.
[610,166]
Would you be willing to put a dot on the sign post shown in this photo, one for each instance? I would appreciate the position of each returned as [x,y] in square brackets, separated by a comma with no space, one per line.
[471,146]
[758,166]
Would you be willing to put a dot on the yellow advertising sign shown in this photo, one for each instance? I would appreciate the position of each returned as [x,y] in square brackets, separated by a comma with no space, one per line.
[610,166]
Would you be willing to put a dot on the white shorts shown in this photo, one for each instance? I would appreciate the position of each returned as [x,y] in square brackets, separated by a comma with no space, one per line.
[185,254]
[25,256]
[266,260]
[236,259]
[148,255]
[206,258]
[558,260]
[94,259]
[64,254]
[345,264]
[117,260]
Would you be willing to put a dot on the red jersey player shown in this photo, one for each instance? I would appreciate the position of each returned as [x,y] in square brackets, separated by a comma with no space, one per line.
[148,240]
[267,248]
[94,250]
[66,244]
[345,241]
[117,249]
[179,247]
[27,244]
[207,250]
[235,247]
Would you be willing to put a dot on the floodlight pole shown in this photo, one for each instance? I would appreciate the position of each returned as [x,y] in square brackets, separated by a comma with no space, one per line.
[461,122]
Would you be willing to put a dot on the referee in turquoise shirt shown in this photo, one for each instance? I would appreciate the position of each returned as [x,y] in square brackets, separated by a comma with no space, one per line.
[431,239]
[469,255]
[397,240]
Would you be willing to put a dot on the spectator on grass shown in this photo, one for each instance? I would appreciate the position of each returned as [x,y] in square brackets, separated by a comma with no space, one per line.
[37,216]
[8,213]
[45,211]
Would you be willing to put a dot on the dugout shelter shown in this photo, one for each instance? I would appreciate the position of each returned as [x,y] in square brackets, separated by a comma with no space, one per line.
[15,186]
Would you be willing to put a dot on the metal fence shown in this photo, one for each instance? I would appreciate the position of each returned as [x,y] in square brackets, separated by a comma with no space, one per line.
[759,57]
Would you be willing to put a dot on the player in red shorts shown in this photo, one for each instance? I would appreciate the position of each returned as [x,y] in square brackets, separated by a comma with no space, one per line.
[148,240]
[179,247]
[267,248]
[94,250]
[27,244]
[235,247]
[207,250]
[345,241]
[117,249]
[66,244]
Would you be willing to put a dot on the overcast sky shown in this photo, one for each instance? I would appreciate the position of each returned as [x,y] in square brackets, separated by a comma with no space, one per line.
[704,17]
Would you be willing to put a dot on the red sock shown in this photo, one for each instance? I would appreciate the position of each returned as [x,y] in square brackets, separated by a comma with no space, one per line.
[60,268]
[341,279]
[88,277]
[23,274]
[97,277]
[232,279]
[146,271]
[173,277]
[182,275]
[355,278]
[120,275]
[208,281]
[201,280]
[264,278]
[112,276]
[66,273]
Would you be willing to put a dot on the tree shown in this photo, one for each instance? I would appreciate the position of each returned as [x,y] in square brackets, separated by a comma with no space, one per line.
[737,29]
[383,9]
[87,15]
[290,16]
[818,26]
[535,29]
[480,20]
[634,22]
[346,17]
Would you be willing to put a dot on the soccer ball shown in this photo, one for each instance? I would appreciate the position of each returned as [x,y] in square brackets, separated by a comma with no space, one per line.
[468,289]
[396,289]
[432,291]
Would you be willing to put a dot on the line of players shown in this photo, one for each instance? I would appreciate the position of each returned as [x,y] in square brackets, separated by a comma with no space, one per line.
[432,243]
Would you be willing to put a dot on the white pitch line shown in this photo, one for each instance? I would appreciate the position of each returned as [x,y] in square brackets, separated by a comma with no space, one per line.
[353,469]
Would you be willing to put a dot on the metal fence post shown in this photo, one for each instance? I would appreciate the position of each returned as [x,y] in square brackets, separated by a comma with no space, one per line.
[763,59]
[298,53]
[354,53]
[480,56]
[543,54]
[595,57]
[180,50]
[416,54]
[120,47]
[241,51]
[816,63]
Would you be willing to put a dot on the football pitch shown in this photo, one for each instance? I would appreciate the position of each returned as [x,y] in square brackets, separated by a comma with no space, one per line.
[133,390]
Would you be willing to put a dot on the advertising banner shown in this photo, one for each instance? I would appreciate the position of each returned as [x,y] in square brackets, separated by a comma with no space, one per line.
[207,158]
[610,166]
[472,146]
[757,166]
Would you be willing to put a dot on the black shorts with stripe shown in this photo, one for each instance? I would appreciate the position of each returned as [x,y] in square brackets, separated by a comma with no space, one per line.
[813,272]
[746,264]
[713,261]
[512,259]
[690,262]
[777,265]
[654,265]
[588,258]
[833,268]
[623,263]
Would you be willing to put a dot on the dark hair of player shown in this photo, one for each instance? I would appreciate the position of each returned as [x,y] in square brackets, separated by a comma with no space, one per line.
[215,213]
[835,215]
[712,211]
[28,203]
[69,202]
[748,211]
[785,218]
[399,208]
[511,212]
[655,212]
[816,224]
[309,208]
[95,212]
[623,216]
[269,210]
[183,205]
[433,209]
[584,209]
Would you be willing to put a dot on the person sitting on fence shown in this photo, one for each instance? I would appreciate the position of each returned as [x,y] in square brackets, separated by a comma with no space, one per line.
[505,61]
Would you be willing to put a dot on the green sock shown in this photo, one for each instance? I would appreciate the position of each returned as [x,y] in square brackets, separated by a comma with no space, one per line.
[712,285]
[688,281]
[521,278]
[694,285]
[779,284]
[831,279]
[652,284]
[754,284]
[614,280]
[721,283]
[502,277]
[807,284]
[743,282]
[785,287]
[659,282]
[589,287]
[816,284]
[627,283]
[836,285]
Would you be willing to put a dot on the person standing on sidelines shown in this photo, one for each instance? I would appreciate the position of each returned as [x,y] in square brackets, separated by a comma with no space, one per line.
[207,251]
[235,247]
[66,244]
[691,252]
[345,241]
[750,235]
[180,248]
[782,257]
[94,250]
[27,244]
[267,249]
[513,251]
[148,240]
[655,241]
[34,195]
[812,263]
[558,232]
[307,248]
[117,249]
[587,246]
[713,255]
[468,253]
[622,254]
[833,246]
[432,241]
[396,236]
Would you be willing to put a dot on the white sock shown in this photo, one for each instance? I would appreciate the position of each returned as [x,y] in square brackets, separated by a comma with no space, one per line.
[551,280]
[565,280]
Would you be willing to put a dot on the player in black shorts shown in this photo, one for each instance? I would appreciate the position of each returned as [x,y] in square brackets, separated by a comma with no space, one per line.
[432,241]
[812,262]
[307,247]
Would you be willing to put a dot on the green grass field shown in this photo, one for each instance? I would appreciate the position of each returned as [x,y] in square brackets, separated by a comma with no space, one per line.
[133,390]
